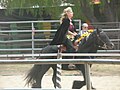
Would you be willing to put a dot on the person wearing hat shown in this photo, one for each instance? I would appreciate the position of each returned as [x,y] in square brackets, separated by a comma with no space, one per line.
[81,33]
[84,28]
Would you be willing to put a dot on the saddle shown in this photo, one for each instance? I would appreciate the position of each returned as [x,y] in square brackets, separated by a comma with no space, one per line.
[61,48]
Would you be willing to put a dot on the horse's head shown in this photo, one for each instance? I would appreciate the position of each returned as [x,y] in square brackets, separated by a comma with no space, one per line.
[103,40]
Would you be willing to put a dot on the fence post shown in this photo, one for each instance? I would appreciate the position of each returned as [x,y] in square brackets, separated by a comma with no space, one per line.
[87,75]
[33,33]
[59,66]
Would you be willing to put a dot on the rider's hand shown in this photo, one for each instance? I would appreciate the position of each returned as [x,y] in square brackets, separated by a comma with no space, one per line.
[76,42]
[74,34]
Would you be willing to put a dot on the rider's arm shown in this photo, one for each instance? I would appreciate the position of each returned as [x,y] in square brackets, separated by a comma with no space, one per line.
[71,33]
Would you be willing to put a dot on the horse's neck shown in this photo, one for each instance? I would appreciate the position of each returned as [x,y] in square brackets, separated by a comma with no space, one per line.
[89,49]
[88,46]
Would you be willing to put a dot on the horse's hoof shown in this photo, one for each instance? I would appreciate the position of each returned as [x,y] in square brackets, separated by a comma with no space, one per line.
[78,84]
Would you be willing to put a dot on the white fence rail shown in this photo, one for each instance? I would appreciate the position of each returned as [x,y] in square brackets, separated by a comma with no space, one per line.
[62,61]
[17,28]
[87,62]
[63,54]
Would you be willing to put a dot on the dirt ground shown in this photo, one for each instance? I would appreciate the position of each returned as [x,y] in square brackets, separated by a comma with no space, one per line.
[103,77]
[99,82]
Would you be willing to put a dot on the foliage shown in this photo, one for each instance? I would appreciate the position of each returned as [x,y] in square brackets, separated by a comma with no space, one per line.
[83,9]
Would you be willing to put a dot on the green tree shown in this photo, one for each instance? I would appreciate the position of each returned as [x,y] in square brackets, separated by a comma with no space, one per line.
[83,9]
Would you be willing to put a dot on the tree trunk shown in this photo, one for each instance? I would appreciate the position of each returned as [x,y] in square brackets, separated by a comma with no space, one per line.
[109,15]
[87,11]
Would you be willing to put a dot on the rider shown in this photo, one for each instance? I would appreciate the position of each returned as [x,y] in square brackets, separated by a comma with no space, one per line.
[66,28]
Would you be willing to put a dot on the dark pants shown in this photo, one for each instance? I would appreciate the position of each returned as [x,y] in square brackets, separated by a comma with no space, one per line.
[69,45]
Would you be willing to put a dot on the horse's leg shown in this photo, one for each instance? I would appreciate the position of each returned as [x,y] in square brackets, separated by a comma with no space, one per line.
[54,67]
[80,84]
[40,73]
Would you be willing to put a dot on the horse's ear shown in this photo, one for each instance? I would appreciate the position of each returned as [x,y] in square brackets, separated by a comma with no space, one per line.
[98,30]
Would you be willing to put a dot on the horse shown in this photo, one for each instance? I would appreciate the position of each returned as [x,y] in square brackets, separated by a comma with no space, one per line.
[37,72]
[97,39]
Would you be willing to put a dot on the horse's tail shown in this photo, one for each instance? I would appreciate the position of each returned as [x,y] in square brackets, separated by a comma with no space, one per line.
[33,74]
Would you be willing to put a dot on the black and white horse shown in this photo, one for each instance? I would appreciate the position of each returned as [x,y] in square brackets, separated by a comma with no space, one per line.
[97,39]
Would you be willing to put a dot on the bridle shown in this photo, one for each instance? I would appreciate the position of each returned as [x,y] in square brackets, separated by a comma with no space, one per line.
[104,46]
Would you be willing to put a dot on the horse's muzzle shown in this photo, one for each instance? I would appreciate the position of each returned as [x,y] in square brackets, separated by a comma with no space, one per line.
[110,46]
